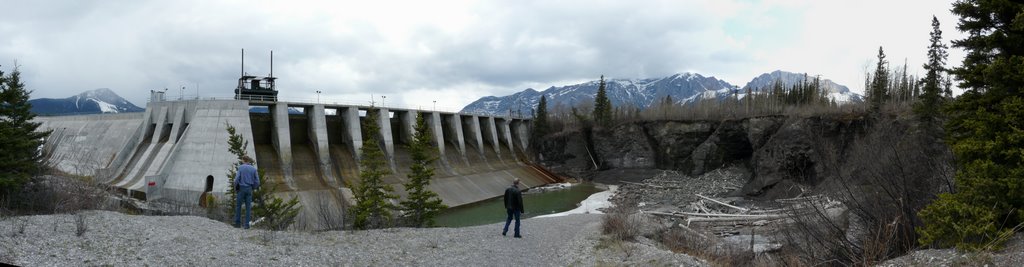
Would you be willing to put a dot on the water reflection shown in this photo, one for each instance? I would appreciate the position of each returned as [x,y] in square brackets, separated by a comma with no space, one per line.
[536,204]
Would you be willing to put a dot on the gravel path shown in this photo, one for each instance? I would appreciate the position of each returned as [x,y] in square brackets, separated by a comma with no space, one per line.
[117,239]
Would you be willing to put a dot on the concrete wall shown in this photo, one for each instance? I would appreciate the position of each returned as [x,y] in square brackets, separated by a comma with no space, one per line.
[81,145]
[203,150]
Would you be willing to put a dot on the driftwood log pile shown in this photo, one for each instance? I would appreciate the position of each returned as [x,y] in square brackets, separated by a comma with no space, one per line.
[724,219]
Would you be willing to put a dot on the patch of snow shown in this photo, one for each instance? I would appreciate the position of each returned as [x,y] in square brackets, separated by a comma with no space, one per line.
[491,104]
[105,107]
[840,97]
[590,205]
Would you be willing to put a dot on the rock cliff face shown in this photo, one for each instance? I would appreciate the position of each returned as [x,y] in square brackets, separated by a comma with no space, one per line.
[778,151]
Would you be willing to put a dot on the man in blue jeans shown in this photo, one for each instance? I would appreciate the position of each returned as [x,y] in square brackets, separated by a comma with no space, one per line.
[246,180]
[513,206]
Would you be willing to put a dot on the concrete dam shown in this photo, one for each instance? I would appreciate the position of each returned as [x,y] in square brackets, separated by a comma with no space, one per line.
[178,150]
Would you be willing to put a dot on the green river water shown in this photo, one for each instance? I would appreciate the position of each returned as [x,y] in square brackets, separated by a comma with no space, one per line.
[536,204]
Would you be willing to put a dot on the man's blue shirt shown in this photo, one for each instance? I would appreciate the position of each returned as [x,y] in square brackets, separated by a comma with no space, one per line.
[247,176]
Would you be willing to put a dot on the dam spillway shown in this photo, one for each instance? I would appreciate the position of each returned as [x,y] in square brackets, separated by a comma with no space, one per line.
[177,150]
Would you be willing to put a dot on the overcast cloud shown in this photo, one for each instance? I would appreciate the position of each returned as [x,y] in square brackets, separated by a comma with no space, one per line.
[455,52]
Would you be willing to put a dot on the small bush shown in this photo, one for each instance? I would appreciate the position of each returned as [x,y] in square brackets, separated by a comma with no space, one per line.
[51,194]
[81,225]
[619,226]
[955,223]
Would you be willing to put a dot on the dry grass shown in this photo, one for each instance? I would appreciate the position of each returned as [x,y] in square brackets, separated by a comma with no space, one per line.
[619,225]
[81,224]
[57,195]
[718,253]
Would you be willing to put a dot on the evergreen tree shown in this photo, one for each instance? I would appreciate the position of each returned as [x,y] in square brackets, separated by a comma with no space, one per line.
[422,204]
[904,91]
[664,106]
[277,213]
[984,130]
[237,146]
[928,107]
[879,86]
[602,106]
[373,197]
[20,156]
[820,95]
[540,120]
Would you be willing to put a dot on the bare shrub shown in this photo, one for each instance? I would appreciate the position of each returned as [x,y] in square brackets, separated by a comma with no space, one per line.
[19,226]
[719,253]
[81,224]
[267,237]
[8,255]
[884,178]
[18,223]
[49,194]
[329,218]
[214,210]
[618,225]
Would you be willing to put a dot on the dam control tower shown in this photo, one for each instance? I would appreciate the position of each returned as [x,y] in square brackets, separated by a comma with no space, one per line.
[251,87]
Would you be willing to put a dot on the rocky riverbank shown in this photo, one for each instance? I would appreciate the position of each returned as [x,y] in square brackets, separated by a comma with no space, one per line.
[111,238]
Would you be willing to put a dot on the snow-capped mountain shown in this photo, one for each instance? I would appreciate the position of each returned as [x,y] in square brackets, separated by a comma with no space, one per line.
[101,100]
[684,88]
[838,92]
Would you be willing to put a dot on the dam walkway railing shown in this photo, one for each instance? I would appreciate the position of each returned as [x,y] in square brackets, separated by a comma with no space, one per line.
[432,107]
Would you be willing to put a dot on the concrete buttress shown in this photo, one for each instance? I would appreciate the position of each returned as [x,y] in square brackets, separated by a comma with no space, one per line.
[522,131]
[493,132]
[384,120]
[408,121]
[282,141]
[435,129]
[507,131]
[455,122]
[476,137]
[318,135]
[353,130]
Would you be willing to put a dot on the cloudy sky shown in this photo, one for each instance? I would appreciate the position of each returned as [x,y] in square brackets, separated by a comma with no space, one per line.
[454,52]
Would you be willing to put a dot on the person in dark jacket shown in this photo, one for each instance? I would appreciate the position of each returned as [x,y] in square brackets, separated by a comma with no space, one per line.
[513,206]
[246,180]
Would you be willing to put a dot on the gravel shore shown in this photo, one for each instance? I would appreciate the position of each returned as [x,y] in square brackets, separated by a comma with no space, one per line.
[112,238]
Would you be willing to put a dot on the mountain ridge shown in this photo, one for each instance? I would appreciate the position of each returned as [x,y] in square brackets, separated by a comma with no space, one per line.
[96,101]
[684,88]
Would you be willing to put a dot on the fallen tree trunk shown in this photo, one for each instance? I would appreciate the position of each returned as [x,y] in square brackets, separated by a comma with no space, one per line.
[723,203]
